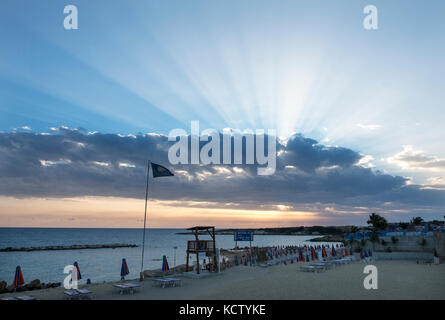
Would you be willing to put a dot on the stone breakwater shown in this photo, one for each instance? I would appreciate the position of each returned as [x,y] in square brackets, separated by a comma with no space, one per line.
[33,285]
[71,247]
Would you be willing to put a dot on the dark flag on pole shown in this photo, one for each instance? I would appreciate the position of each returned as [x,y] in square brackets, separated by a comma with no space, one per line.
[160,171]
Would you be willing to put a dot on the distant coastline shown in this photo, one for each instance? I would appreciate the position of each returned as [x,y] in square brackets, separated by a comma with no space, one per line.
[324,234]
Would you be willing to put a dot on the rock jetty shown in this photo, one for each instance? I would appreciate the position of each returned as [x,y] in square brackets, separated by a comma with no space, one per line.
[33,285]
[71,247]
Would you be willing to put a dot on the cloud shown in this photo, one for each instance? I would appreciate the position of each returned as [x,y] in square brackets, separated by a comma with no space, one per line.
[417,159]
[370,127]
[309,175]
[365,161]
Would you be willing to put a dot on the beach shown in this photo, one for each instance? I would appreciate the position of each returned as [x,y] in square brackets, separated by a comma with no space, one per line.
[397,279]
[104,264]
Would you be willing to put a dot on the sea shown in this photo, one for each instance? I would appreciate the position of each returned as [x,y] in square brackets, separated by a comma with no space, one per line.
[101,265]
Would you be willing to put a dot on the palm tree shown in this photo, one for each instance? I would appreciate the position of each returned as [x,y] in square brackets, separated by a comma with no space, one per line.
[403,225]
[417,221]
[377,222]
[354,229]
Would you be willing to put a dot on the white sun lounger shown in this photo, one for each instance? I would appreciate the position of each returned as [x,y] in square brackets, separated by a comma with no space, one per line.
[311,268]
[325,266]
[77,294]
[166,282]
[174,282]
[26,298]
[126,287]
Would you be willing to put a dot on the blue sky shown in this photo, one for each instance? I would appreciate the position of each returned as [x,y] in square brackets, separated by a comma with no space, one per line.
[304,67]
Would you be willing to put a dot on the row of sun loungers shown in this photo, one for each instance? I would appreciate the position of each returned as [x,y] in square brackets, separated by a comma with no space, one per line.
[77,294]
[167,282]
[326,265]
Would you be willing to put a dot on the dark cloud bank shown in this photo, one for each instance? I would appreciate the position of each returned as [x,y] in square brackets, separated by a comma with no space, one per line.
[71,163]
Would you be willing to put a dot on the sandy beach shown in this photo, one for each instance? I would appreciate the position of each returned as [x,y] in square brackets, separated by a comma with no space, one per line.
[397,279]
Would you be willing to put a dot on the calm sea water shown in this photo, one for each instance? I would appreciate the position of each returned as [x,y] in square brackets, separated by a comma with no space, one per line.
[104,264]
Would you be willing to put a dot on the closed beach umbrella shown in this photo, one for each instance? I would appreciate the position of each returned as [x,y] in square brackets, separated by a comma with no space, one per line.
[323,253]
[18,278]
[165,267]
[236,260]
[334,253]
[76,266]
[301,255]
[124,269]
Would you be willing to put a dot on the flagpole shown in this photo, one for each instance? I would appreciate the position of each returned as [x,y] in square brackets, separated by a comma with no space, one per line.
[145,221]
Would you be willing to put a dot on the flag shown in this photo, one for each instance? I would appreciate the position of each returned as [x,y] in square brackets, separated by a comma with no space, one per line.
[160,171]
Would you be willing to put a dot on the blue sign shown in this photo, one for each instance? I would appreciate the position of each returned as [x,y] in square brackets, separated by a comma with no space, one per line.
[243,235]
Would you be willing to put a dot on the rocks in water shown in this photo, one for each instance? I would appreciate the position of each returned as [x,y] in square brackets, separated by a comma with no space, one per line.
[48,285]
[180,268]
[153,273]
[34,285]
[10,288]
[72,247]
[158,272]
[21,289]
[3,286]
[52,285]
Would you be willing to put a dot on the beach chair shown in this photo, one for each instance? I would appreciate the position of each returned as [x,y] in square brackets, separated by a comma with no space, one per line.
[161,282]
[76,294]
[71,294]
[337,262]
[311,268]
[127,287]
[324,265]
[174,282]
[167,282]
[26,298]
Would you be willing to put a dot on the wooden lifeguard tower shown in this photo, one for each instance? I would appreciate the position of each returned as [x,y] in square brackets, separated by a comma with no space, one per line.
[196,246]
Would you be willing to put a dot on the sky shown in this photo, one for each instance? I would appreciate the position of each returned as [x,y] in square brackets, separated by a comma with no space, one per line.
[359,112]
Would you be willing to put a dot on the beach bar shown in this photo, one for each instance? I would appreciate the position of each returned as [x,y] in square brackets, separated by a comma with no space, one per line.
[207,246]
